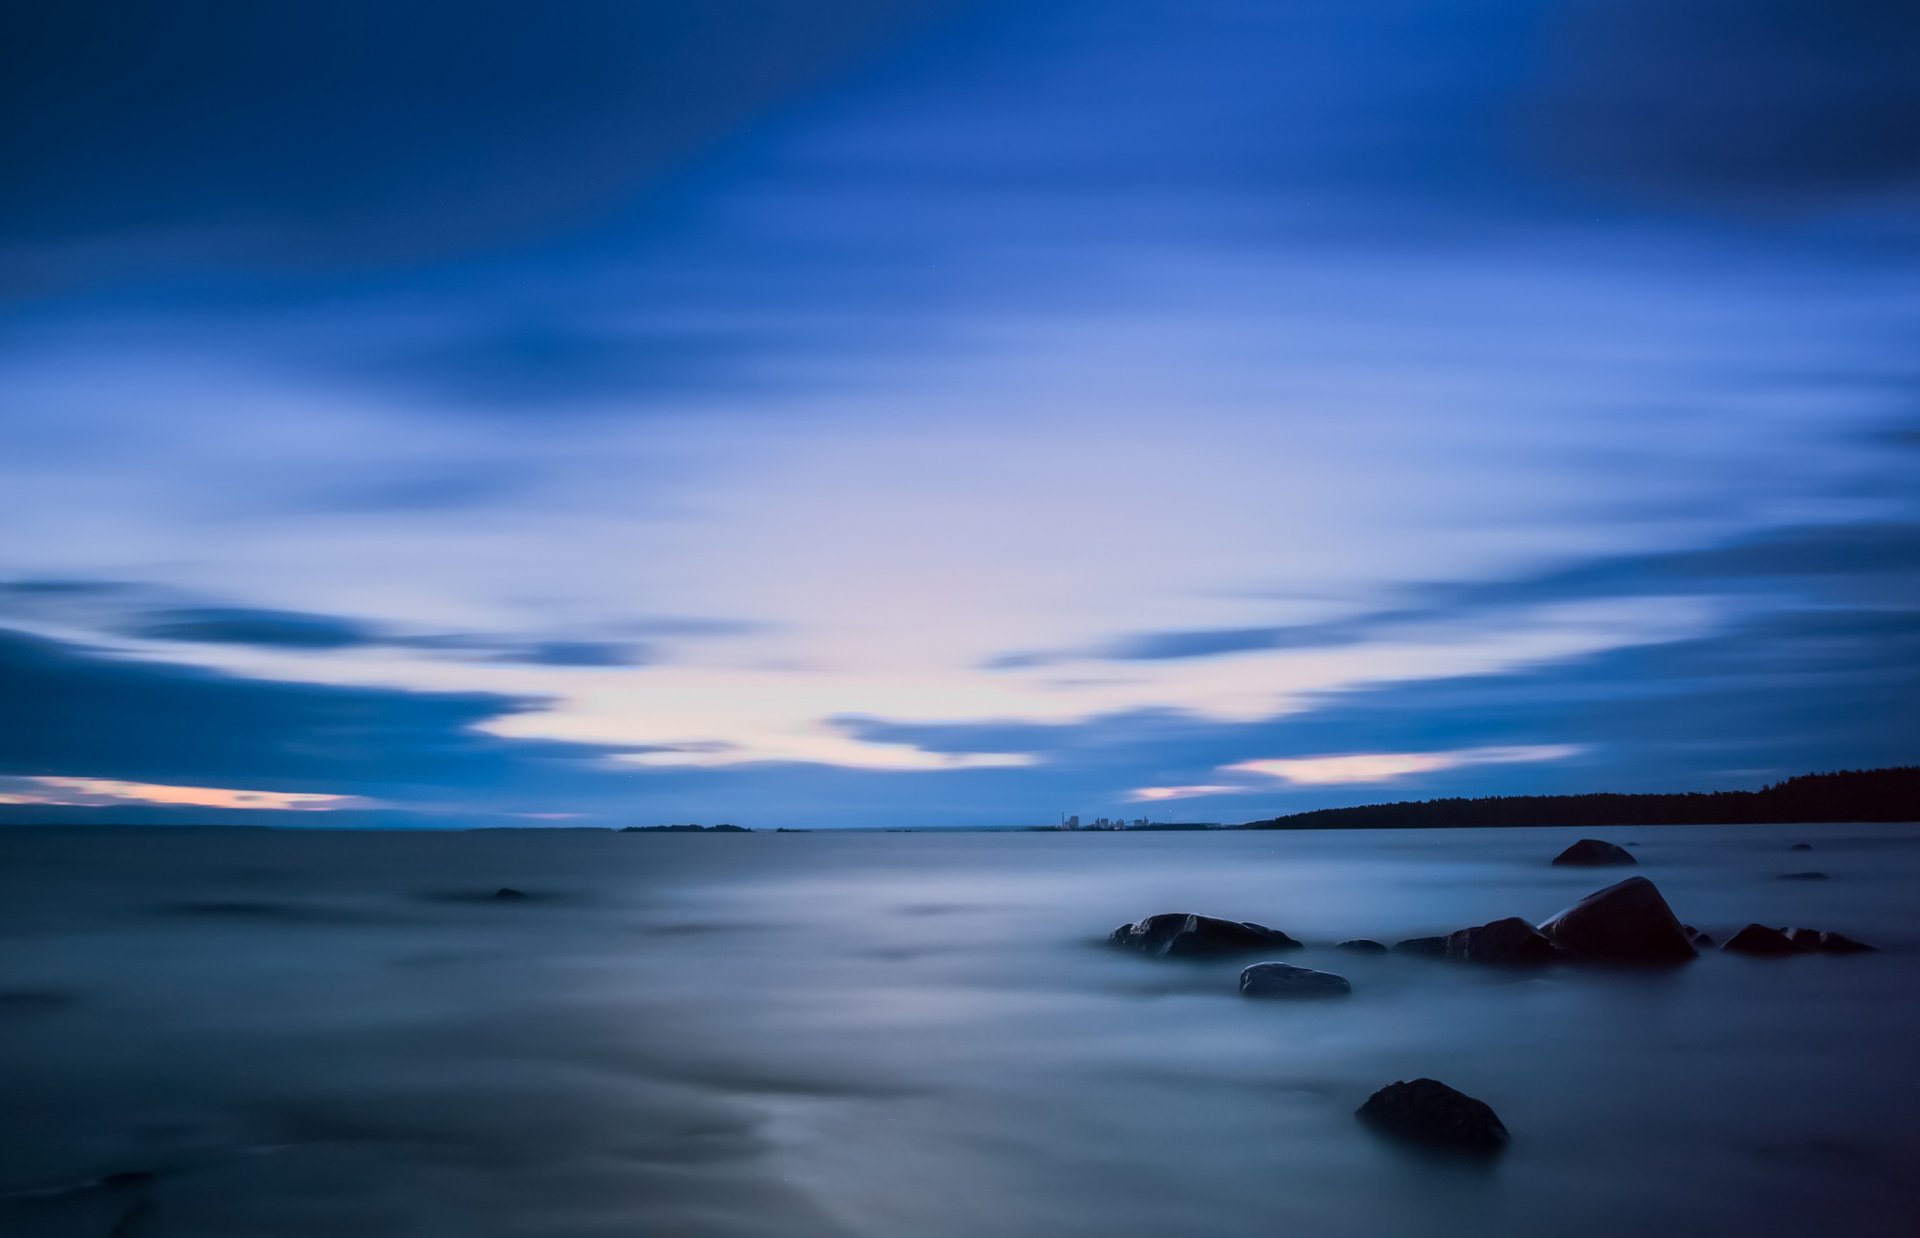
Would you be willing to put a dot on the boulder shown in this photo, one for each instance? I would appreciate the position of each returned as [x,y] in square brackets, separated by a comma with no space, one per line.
[1592,853]
[1361,945]
[1698,939]
[1809,876]
[1627,922]
[1436,946]
[1428,1112]
[1510,942]
[1180,935]
[1801,847]
[1805,938]
[1762,942]
[507,894]
[1286,980]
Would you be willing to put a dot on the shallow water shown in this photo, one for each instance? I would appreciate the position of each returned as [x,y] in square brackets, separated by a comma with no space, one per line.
[920,1034]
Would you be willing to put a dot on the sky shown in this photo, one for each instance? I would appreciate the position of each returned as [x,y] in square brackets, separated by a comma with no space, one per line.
[927,412]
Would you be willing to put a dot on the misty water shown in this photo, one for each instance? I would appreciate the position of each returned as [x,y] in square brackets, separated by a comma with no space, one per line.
[307,1033]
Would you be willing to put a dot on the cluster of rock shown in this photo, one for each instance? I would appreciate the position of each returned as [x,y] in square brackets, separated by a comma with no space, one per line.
[1627,923]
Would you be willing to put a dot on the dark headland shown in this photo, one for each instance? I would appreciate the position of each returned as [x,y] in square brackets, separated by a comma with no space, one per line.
[1849,795]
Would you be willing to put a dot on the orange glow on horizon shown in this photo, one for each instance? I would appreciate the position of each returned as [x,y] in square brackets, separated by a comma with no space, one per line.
[95,792]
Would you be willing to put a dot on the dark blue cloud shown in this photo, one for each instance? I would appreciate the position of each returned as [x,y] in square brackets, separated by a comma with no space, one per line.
[272,629]
[1851,564]
[66,711]
[1766,102]
[285,135]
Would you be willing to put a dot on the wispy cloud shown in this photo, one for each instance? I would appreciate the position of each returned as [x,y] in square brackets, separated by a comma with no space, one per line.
[1380,767]
[108,792]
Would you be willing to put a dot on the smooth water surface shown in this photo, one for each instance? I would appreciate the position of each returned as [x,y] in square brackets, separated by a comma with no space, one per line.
[895,1035]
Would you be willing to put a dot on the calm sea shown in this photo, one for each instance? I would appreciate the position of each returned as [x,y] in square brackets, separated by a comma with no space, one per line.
[897,1035]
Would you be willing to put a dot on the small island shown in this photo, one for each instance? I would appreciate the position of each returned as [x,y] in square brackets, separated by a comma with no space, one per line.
[685,829]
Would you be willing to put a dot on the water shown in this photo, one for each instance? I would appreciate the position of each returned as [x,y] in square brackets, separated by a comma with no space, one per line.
[920,1034]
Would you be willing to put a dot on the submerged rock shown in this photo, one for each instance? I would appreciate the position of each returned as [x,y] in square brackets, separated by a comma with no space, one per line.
[1181,935]
[1698,939]
[1286,980]
[1762,942]
[1436,946]
[1809,876]
[1429,1112]
[1840,943]
[1627,922]
[1593,853]
[507,894]
[1510,942]
[1801,847]
[1361,945]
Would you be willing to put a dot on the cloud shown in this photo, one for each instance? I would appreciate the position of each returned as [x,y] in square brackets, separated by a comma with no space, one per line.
[107,792]
[1156,795]
[73,714]
[1381,767]
[1763,102]
[1864,562]
[125,610]
[295,137]
[269,629]
[555,365]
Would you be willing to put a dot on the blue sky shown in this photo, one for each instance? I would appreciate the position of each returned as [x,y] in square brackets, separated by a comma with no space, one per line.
[878,413]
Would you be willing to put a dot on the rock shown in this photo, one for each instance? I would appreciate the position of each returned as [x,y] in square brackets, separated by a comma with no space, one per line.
[1286,980]
[1762,942]
[1361,945]
[1801,847]
[1698,939]
[1805,938]
[1840,943]
[1180,935]
[1429,1112]
[1436,946]
[1592,853]
[1510,942]
[128,1177]
[1627,922]
[1810,876]
[507,894]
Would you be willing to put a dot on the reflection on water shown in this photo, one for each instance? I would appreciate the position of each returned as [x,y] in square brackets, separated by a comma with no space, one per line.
[920,1034]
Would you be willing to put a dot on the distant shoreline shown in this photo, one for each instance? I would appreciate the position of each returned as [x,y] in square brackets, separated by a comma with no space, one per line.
[1877,796]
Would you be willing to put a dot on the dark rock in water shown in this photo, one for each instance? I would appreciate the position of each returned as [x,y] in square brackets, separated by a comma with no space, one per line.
[1801,847]
[1286,980]
[507,894]
[1361,945]
[1803,876]
[1511,942]
[1840,943]
[1627,922]
[128,1177]
[1805,938]
[1180,935]
[1698,939]
[1762,942]
[1429,1112]
[1435,946]
[1592,853]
